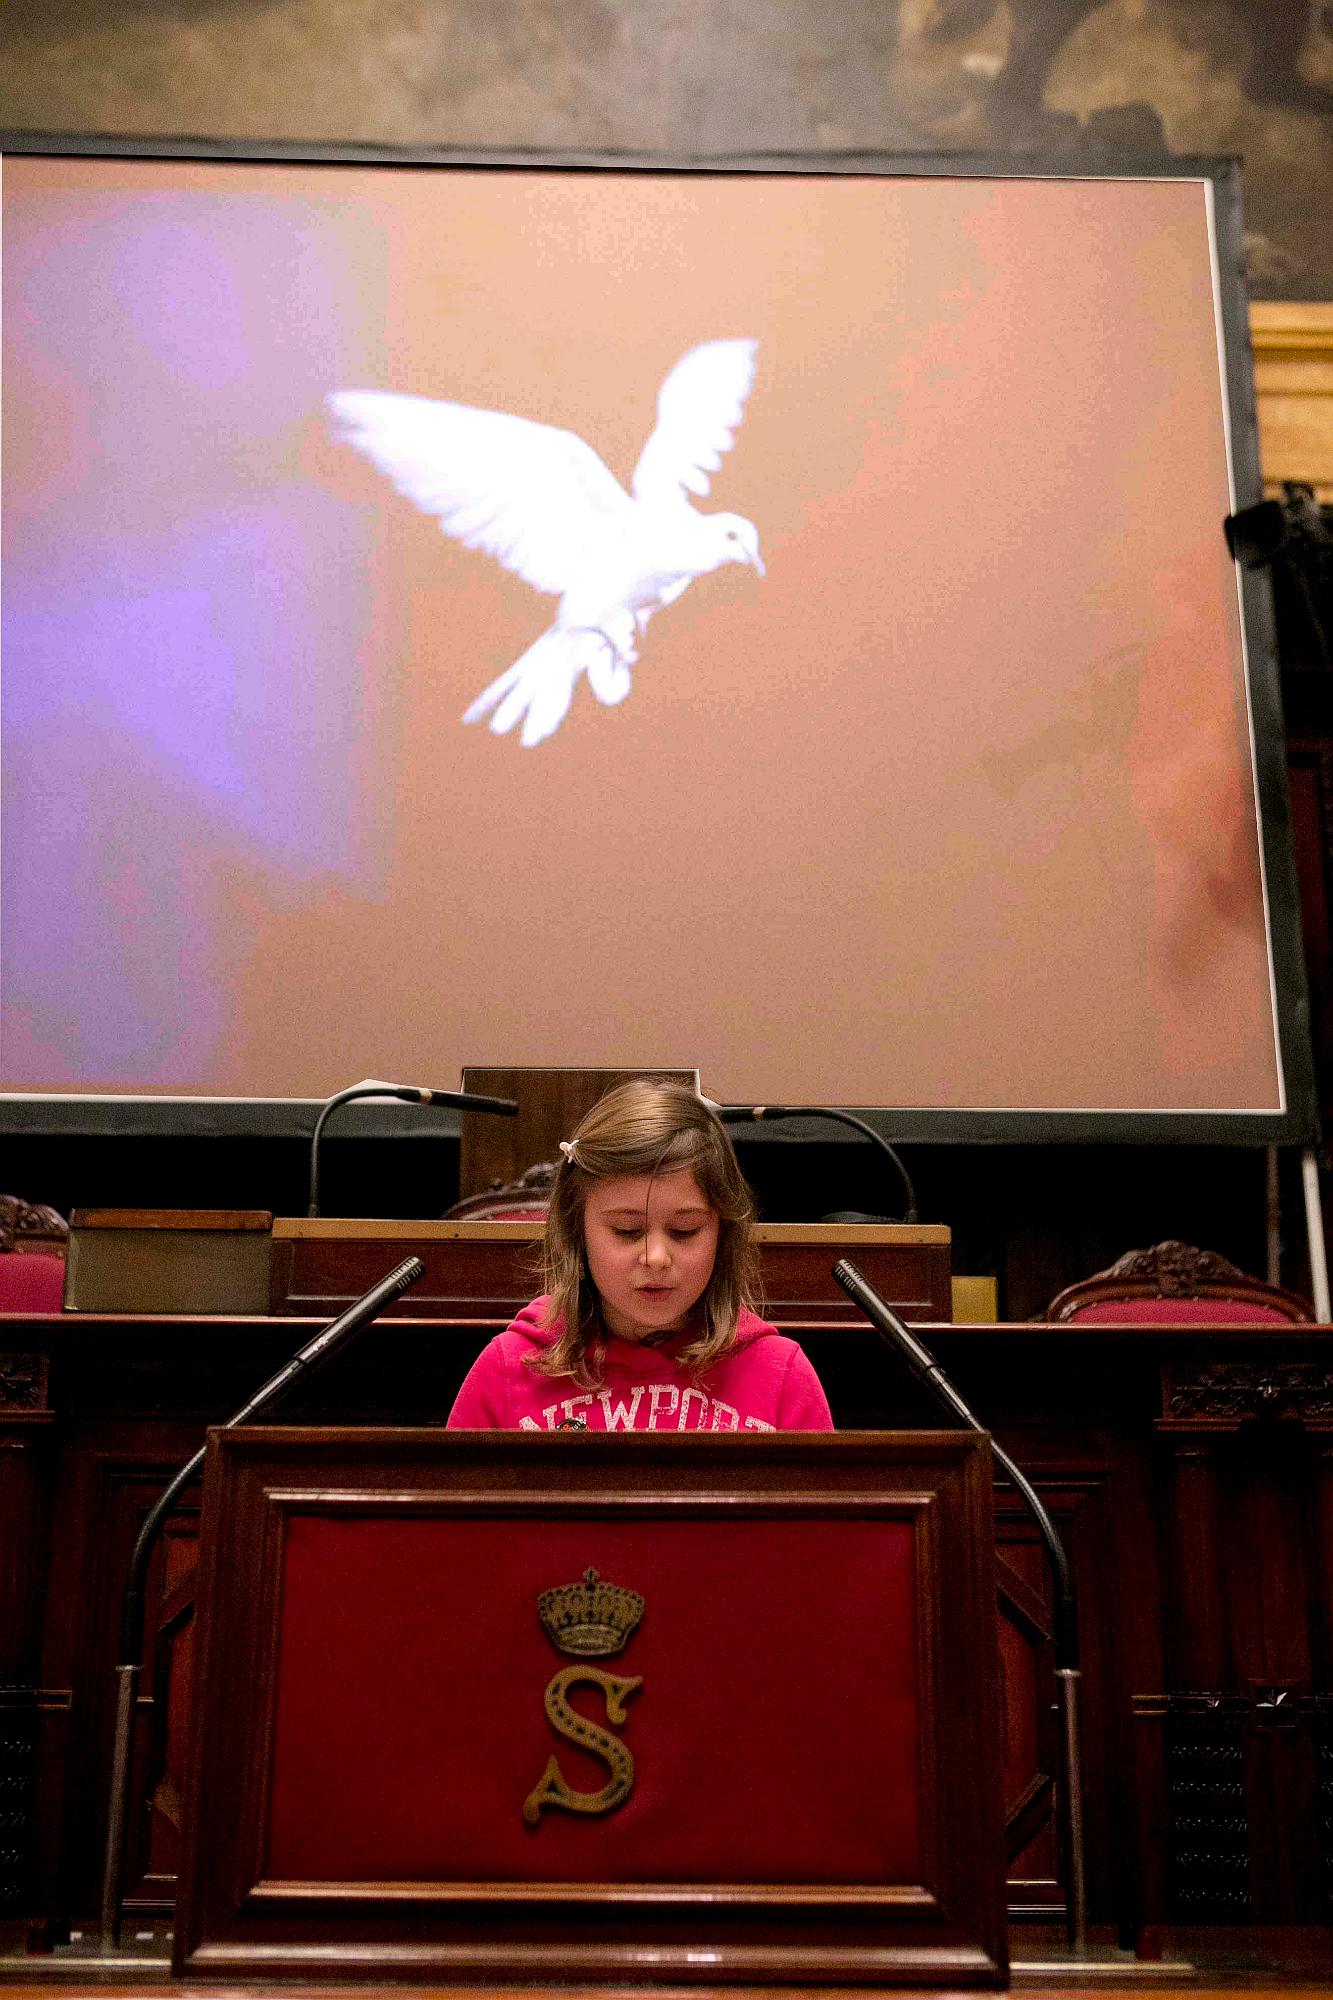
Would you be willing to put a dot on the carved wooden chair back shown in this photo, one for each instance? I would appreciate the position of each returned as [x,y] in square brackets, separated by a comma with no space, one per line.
[33,1241]
[523,1200]
[1175,1283]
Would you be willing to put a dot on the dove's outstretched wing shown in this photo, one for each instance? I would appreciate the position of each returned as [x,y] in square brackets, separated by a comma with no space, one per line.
[538,499]
[699,408]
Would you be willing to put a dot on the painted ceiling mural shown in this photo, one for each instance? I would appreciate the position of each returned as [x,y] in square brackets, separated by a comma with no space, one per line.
[1077,82]
[1142,78]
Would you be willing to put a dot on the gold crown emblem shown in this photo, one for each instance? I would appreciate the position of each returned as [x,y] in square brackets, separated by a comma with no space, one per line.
[592,1618]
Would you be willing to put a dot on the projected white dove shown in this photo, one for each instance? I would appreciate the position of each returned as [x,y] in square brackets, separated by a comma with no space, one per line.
[541,501]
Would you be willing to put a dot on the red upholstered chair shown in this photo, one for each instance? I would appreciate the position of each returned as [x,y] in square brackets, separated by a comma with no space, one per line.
[524,1200]
[1175,1283]
[33,1240]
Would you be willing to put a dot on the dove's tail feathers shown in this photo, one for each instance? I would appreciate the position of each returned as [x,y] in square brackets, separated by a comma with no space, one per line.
[539,687]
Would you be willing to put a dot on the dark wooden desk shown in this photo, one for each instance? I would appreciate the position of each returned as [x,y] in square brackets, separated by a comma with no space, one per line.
[1190,1468]
[480,1272]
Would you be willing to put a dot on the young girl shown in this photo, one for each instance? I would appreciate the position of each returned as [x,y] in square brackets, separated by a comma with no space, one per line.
[646,1322]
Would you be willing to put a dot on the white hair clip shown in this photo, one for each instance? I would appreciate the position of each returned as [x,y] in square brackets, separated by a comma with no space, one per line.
[567,1148]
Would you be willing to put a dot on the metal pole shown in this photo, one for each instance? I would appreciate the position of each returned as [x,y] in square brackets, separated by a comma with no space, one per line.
[1071,1756]
[325,1343]
[1314,1230]
[127,1687]
[1064,1619]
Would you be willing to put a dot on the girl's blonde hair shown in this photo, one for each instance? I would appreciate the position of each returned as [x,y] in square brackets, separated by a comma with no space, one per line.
[646,1126]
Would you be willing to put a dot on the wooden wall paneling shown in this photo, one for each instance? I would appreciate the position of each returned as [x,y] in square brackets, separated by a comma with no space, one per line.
[1243,1707]
[1323,1682]
[1077,1494]
[1122,1585]
[1195,1613]
[552,1103]
[1031,1738]
[1276,1468]
[1181,1616]
[25,1473]
[1208,1831]
[1270,1469]
[109,1483]
[168,1665]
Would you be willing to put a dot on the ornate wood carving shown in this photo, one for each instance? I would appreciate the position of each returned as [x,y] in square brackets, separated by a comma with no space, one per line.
[23,1382]
[1176,1270]
[1233,1392]
[29,1223]
[522,1199]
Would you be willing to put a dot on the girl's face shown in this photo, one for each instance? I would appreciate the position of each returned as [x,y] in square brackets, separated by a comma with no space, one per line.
[651,1241]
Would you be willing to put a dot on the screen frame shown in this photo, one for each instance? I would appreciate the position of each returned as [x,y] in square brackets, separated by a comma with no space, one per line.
[176,1114]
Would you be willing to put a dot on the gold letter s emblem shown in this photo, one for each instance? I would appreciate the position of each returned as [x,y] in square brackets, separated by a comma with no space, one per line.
[552,1788]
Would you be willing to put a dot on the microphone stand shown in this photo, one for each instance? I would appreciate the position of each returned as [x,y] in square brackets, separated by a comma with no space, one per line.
[735,1114]
[407,1093]
[1064,1623]
[315,1351]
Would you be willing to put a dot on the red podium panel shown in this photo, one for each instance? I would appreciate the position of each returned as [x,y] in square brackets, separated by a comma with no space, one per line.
[761,1671]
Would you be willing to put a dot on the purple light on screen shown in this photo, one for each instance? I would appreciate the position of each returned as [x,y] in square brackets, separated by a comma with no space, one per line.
[182,610]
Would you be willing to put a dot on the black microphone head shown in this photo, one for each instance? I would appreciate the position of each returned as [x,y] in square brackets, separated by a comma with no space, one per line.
[471,1100]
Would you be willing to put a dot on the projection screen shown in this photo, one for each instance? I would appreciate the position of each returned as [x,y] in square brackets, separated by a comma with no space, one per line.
[773,617]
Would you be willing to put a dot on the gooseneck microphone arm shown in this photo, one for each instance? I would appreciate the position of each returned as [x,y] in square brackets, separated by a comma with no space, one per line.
[325,1343]
[1064,1622]
[407,1093]
[740,1114]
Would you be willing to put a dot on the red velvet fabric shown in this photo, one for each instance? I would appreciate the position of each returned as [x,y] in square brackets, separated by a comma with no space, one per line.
[31,1282]
[774,1735]
[1182,1312]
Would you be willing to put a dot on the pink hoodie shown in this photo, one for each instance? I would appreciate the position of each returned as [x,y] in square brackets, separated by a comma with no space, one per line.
[764,1383]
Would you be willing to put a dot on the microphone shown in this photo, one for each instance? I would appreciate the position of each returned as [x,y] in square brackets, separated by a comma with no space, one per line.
[1064,1622]
[751,1114]
[927,1369]
[407,1093]
[326,1342]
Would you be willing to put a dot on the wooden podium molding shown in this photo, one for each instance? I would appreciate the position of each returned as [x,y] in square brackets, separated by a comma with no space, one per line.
[817,1741]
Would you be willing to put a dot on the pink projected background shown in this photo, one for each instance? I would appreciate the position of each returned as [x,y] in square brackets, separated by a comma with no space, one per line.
[951,807]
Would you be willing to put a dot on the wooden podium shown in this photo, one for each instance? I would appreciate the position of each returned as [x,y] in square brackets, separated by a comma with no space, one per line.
[769,1662]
